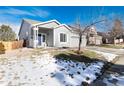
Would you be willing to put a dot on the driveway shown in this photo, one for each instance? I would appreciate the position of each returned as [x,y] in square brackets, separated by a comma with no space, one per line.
[107,50]
[115,74]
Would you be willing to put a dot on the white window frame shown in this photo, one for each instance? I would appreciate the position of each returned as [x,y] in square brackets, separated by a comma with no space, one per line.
[64,37]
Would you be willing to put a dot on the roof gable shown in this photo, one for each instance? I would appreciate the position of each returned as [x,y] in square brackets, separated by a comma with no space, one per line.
[47,22]
[64,26]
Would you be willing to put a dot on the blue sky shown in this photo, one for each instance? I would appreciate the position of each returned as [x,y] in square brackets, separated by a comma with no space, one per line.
[14,15]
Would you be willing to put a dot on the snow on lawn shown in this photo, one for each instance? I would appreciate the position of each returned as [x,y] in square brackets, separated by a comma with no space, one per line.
[108,56]
[114,80]
[46,70]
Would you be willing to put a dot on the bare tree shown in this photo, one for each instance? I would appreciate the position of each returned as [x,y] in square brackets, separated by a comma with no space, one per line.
[117,29]
[113,28]
[79,29]
[83,29]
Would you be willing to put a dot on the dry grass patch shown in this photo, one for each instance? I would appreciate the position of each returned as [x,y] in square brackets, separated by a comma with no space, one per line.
[84,56]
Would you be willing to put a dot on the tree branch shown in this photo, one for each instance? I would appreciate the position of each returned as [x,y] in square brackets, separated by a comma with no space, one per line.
[85,29]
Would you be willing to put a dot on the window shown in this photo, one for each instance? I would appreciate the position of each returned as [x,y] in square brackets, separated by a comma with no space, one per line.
[63,37]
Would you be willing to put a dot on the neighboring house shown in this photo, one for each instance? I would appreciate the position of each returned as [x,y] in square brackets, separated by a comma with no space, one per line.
[92,37]
[107,39]
[119,39]
[48,34]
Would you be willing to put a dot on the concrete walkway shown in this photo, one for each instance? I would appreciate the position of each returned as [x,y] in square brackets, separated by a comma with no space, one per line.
[118,67]
[121,60]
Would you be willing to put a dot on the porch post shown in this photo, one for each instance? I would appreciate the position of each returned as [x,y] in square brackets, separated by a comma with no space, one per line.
[35,37]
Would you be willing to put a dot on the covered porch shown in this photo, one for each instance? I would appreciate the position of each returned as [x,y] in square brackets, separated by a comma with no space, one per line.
[42,37]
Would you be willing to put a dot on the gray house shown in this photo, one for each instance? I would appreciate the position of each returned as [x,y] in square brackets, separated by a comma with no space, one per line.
[48,34]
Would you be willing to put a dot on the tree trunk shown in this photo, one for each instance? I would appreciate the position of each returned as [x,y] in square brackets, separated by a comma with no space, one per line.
[80,41]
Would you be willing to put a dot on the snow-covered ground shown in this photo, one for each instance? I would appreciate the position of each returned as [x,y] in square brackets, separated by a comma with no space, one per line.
[114,80]
[44,69]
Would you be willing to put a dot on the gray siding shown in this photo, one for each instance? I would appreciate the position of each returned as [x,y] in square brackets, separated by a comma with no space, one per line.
[24,31]
[72,38]
[50,39]
[57,32]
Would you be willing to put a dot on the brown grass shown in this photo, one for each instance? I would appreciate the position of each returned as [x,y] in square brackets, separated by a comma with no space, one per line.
[84,56]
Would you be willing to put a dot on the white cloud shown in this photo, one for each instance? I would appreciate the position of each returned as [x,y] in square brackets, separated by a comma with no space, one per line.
[40,12]
[33,12]
[14,11]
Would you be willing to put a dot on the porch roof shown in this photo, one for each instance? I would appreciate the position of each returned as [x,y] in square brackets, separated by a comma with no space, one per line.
[45,28]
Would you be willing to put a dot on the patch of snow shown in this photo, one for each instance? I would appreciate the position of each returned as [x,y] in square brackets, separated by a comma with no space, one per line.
[113,80]
[91,71]
[108,56]
[46,70]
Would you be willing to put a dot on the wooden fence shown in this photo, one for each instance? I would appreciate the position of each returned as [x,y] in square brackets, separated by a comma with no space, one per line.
[9,45]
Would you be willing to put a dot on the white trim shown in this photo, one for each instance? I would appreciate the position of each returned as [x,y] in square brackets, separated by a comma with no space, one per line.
[63,25]
[65,38]
[46,22]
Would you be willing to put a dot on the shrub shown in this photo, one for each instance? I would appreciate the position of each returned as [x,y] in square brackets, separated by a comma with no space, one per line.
[2,49]
[6,33]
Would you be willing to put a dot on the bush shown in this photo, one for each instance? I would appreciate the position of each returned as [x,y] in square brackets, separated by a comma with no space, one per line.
[6,33]
[2,49]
